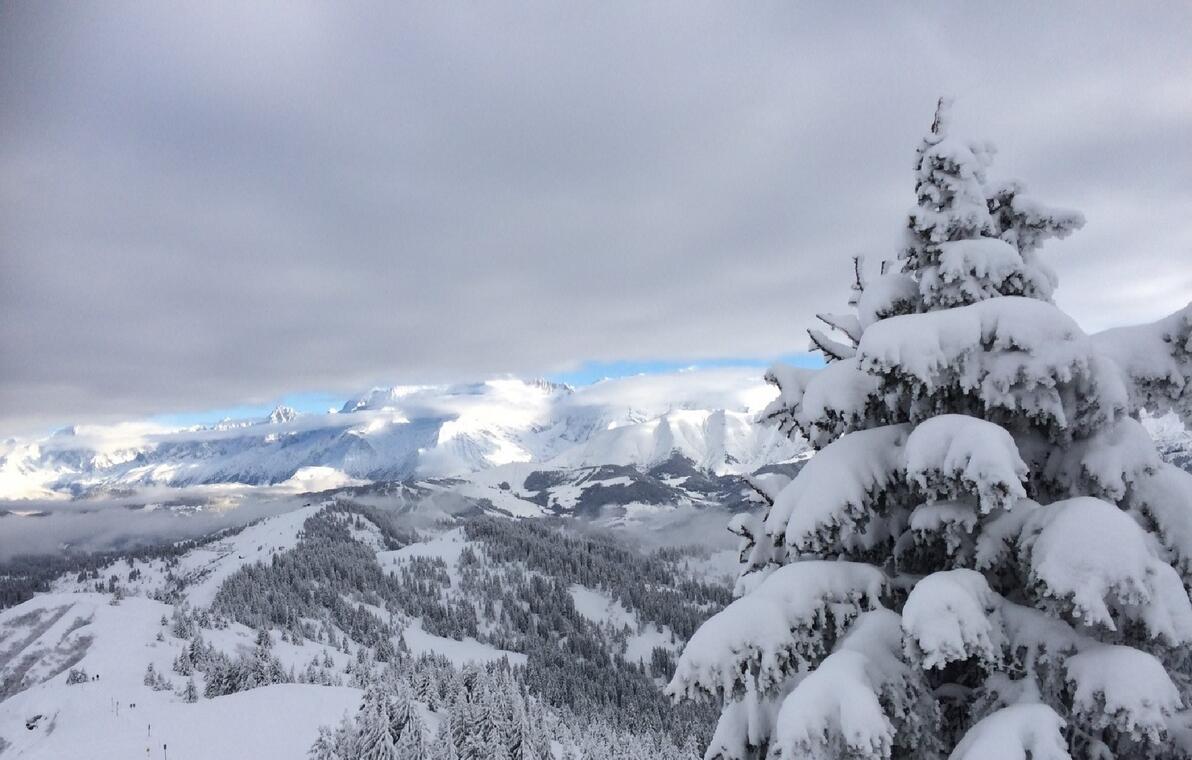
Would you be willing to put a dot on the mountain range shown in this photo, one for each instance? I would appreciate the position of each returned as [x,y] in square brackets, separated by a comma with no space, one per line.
[497,433]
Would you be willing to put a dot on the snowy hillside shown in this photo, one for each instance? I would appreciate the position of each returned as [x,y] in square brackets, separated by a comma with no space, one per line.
[265,642]
[41,640]
[400,433]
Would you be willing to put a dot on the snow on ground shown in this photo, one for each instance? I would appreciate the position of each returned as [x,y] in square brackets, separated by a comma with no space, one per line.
[446,546]
[602,609]
[459,652]
[366,532]
[44,637]
[568,495]
[640,646]
[490,484]
[238,639]
[41,640]
[277,722]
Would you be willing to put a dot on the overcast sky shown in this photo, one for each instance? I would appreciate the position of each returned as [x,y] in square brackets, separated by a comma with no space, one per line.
[212,204]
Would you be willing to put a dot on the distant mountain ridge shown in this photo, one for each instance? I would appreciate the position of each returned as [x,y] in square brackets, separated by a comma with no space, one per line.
[706,418]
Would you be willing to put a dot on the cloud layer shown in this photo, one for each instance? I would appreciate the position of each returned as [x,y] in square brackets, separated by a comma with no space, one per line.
[212,203]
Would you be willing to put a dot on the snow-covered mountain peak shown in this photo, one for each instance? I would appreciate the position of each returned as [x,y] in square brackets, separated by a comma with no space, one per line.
[383,398]
[281,414]
[551,385]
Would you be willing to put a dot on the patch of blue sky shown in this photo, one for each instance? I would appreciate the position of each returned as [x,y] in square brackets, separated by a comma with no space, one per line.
[304,403]
[591,372]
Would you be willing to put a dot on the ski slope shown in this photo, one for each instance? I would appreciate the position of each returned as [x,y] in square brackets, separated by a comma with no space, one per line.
[117,716]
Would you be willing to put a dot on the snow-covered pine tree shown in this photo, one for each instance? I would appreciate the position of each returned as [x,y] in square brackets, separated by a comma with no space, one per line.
[346,744]
[443,747]
[373,739]
[324,747]
[262,668]
[413,744]
[986,557]
[183,626]
[405,723]
[197,652]
[183,665]
[220,676]
[190,693]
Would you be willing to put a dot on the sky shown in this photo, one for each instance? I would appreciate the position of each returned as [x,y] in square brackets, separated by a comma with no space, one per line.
[210,206]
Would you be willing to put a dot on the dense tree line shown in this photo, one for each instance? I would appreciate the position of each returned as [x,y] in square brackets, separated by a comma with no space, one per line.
[482,713]
[648,583]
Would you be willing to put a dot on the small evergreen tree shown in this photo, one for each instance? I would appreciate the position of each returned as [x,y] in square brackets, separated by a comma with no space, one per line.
[183,664]
[325,747]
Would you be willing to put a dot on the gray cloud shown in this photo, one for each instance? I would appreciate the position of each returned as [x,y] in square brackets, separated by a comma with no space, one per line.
[212,203]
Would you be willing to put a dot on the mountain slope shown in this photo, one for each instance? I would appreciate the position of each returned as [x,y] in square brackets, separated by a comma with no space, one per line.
[243,645]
